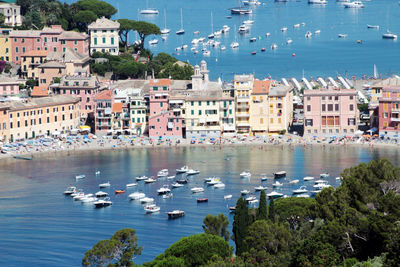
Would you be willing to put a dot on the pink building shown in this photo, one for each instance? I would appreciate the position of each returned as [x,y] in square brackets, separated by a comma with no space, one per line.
[103,112]
[330,112]
[163,120]
[9,86]
[389,111]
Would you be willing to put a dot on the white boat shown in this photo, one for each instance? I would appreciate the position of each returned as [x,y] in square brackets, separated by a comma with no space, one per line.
[196,32]
[168,195]
[141,178]
[389,35]
[219,185]
[245,192]
[254,201]
[338,178]
[260,188]
[165,30]
[153,42]
[193,42]
[171,177]
[243,28]
[320,186]
[280,174]
[197,189]
[206,53]
[245,174]
[70,190]
[342,35]
[289,41]
[175,214]
[248,22]
[181,30]
[250,198]
[264,178]
[81,176]
[253,39]
[308,178]
[294,181]
[308,34]
[131,185]
[101,194]
[146,200]
[234,45]
[100,203]
[274,194]
[324,175]
[149,12]
[150,180]
[152,208]
[251,3]
[227,197]
[296,25]
[88,199]
[317,32]
[277,184]
[303,195]
[78,196]
[268,34]
[225,28]
[240,11]
[164,190]
[223,48]
[372,26]
[318,2]
[355,4]
[105,185]
[136,195]
[284,29]
[218,33]
[184,46]
[303,24]
[162,173]
[97,172]
[176,185]
[300,190]
[192,172]
[213,181]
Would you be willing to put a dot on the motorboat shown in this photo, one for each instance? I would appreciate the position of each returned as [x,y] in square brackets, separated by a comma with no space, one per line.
[201,39]
[100,203]
[248,22]
[206,53]
[201,200]
[244,192]
[218,33]
[141,178]
[294,181]
[260,188]
[131,185]
[241,11]
[300,190]
[280,174]
[296,25]
[274,194]
[253,39]
[232,209]
[284,29]
[88,199]
[192,172]
[250,198]
[355,4]
[277,184]
[243,28]
[289,41]
[264,178]
[251,3]
[185,46]
[175,214]
[120,191]
[182,181]
[263,49]
[171,177]
[101,194]
[70,190]
[81,176]
[227,197]
[78,196]
[77,192]
[303,195]
[146,200]
[97,173]
[223,48]
[219,185]
[225,28]
[153,42]
[196,32]
[149,11]
[176,185]
[163,173]
[168,195]
[103,185]
[213,181]
[317,32]
[338,178]
[303,24]
[234,45]
[150,180]
[372,26]
[197,189]
[268,34]
[318,2]
[245,174]
[308,34]
[342,35]
[324,175]
[389,35]
[136,195]
[163,190]
[254,201]
[152,208]
[211,36]
[308,178]
[193,42]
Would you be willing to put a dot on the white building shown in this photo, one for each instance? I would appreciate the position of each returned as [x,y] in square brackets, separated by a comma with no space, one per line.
[12,13]
[104,36]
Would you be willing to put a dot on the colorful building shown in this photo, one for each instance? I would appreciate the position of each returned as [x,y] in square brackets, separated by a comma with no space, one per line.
[330,112]
[259,108]
[138,109]
[280,101]
[30,62]
[12,14]
[4,123]
[5,45]
[9,86]
[104,36]
[104,112]
[243,86]
[389,111]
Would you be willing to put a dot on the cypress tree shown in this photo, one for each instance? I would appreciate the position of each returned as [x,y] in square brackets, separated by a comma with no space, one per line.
[262,208]
[240,225]
[271,213]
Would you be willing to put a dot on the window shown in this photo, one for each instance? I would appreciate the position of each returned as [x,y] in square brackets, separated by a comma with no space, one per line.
[75,42]
[155,88]
[161,104]
[323,107]
[192,112]
[351,107]
[308,107]
[48,119]
[16,49]
[199,112]
[336,97]
[330,107]
[55,49]
[95,40]
[45,39]
[199,103]
[112,40]
[336,107]
[208,103]
[323,98]
[23,40]
[192,103]
[351,97]
[104,40]
[309,122]
[351,121]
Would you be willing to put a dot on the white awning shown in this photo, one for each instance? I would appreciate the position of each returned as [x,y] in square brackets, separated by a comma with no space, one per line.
[158,94]
[176,101]
[165,94]
[211,119]
[170,125]
[176,109]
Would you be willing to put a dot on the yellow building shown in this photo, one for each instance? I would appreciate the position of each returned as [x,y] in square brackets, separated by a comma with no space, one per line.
[280,103]
[39,116]
[30,62]
[5,45]
[259,111]
[243,86]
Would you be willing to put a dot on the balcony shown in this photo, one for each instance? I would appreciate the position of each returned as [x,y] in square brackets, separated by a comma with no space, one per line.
[243,106]
[241,99]
[395,119]
[243,124]
[242,114]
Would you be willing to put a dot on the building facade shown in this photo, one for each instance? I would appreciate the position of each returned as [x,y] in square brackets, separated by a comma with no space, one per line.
[104,36]
[243,86]
[30,62]
[104,112]
[259,108]
[330,112]
[5,45]
[389,111]
[9,86]
[280,102]
[12,14]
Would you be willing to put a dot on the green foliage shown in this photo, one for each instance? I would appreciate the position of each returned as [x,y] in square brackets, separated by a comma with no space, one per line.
[144,29]
[120,249]
[195,250]
[99,8]
[31,83]
[294,210]
[393,249]
[83,18]
[375,262]
[312,252]
[363,107]
[170,261]
[262,208]
[56,80]
[176,72]
[100,69]
[271,210]
[2,19]
[216,225]
[126,25]
[269,244]
[241,223]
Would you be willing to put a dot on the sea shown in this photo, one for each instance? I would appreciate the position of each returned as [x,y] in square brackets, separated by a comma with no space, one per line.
[322,55]
[39,226]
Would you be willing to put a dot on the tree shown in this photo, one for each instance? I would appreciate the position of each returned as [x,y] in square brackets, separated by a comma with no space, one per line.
[2,19]
[240,225]
[120,249]
[176,72]
[99,8]
[216,225]
[271,210]
[145,29]
[262,208]
[83,18]
[126,25]
[294,210]
[315,253]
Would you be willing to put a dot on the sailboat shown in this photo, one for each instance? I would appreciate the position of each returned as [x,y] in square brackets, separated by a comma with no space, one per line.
[235,44]
[376,75]
[181,31]
[240,11]
[165,30]
[211,36]
[149,11]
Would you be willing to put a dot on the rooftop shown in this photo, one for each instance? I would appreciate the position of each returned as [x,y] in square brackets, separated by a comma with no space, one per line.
[35,53]
[261,87]
[69,55]
[160,82]
[104,95]
[243,77]
[71,35]
[39,91]
[52,64]
[104,23]
[117,107]
[392,81]
[40,102]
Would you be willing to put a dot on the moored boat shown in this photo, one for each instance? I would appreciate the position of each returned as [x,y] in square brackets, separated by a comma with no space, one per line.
[120,191]
[175,214]
[200,200]
[81,176]
[136,195]
[70,190]
[100,203]
[185,168]
[101,194]
[103,185]
[280,174]
[197,189]
[152,208]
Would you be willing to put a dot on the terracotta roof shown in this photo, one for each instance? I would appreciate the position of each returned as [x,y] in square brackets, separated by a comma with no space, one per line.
[36,53]
[52,64]
[117,107]
[40,91]
[71,35]
[160,82]
[103,95]
[261,87]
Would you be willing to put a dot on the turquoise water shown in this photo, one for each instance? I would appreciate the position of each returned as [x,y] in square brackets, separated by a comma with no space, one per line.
[39,226]
[322,55]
